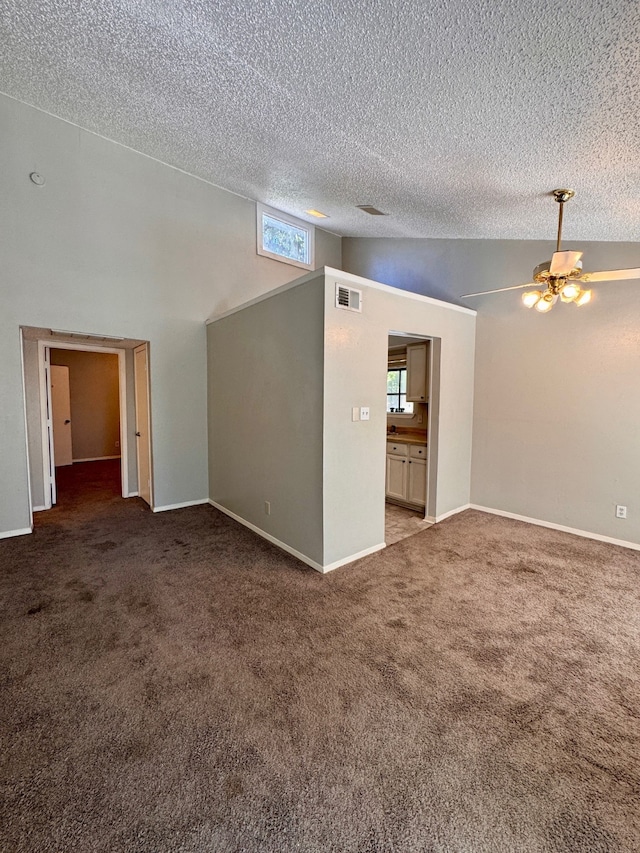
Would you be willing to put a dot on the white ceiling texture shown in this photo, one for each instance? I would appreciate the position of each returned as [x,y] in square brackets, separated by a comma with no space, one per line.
[453,117]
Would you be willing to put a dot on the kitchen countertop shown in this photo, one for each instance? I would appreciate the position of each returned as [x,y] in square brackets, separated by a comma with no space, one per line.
[408,437]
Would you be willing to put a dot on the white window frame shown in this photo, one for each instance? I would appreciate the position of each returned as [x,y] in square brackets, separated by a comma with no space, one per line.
[262,209]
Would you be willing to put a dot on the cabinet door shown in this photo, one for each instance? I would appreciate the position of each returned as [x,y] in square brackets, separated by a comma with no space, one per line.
[417,373]
[417,486]
[396,477]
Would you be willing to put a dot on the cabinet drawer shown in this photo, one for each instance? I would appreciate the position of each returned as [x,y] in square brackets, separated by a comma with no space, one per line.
[417,451]
[397,449]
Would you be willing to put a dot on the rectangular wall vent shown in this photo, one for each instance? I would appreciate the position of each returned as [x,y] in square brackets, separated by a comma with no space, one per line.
[348,298]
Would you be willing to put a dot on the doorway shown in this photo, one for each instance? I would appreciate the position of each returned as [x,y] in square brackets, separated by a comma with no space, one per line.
[115,458]
[85,404]
[411,434]
[98,390]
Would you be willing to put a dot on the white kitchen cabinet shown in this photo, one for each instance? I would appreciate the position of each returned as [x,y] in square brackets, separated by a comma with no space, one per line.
[417,373]
[417,482]
[397,477]
[406,473]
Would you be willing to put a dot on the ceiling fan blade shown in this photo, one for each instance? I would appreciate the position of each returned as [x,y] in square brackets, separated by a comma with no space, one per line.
[563,262]
[609,275]
[500,290]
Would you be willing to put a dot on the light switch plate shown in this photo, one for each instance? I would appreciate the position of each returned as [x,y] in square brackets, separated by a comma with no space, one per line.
[355,414]
[364,413]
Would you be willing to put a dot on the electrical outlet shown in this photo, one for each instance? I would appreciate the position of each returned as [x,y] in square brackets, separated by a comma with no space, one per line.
[267,507]
[621,511]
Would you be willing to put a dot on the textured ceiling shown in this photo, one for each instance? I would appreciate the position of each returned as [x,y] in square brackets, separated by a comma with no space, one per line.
[454,117]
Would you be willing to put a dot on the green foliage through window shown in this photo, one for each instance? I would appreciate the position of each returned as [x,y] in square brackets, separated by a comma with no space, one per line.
[284,239]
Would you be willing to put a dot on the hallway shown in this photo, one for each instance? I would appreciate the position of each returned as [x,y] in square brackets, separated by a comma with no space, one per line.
[83,489]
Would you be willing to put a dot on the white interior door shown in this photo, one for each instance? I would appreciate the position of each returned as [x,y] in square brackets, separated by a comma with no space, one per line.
[143,420]
[61,415]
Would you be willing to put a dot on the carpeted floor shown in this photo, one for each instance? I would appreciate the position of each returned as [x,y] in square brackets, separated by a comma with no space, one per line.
[171,682]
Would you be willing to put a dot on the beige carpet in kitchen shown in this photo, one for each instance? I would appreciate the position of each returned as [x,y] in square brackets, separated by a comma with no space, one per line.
[172,682]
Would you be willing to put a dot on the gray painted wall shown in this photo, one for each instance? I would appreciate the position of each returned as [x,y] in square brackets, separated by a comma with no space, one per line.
[557,410]
[118,244]
[268,358]
[356,347]
[305,364]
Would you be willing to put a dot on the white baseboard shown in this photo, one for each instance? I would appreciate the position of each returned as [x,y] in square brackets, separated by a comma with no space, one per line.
[374,548]
[297,554]
[39,508]
[95,459]
[586,534]
[269,537]
[180,506]
[132,495]
[7,534]
[451,512]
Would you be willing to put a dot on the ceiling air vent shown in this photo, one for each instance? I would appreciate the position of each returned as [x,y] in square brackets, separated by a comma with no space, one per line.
[348,298]
[370,209]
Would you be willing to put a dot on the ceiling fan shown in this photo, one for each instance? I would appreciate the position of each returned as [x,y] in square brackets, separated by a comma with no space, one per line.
[562,276]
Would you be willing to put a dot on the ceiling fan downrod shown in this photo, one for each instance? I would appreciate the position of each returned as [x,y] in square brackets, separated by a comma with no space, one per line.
[561,196]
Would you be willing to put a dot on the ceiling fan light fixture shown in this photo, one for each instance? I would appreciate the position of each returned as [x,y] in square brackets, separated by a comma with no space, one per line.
[562,275]
[546,302]
[531,297]
[570,291]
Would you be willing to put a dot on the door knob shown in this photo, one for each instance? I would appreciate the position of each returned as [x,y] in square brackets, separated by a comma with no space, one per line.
[138,434]
[67,421]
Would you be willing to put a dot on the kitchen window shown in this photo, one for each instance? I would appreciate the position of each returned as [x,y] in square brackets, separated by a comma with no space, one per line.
[285,238]
[397,392]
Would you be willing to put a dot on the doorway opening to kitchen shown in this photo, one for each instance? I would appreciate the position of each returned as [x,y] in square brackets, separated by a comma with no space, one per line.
[413,373]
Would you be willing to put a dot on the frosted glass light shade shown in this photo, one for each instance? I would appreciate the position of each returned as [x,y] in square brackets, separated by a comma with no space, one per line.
[545,303]
[570,291]
[530,298]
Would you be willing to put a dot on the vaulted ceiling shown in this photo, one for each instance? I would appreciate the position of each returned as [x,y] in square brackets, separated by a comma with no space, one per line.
[453,117]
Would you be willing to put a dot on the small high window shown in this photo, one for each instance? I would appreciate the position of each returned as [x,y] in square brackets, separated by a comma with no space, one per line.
[397,392]
[284,238]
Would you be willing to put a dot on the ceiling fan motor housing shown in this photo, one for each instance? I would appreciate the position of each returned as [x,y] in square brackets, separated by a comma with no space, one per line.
[542,275]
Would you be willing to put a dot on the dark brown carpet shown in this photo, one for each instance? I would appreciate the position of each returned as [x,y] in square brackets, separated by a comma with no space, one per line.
[86,486]
[173,683]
